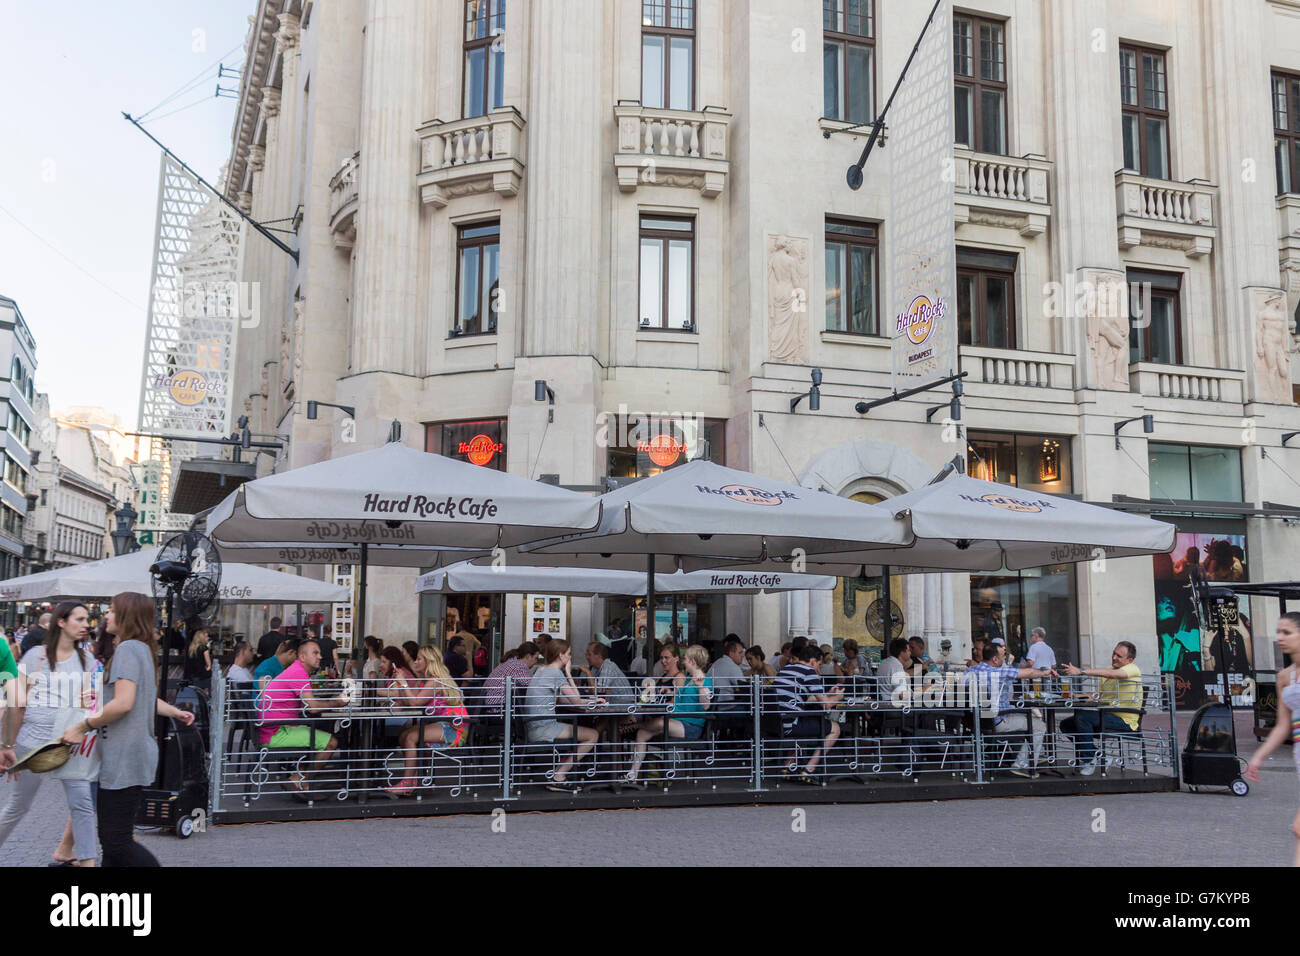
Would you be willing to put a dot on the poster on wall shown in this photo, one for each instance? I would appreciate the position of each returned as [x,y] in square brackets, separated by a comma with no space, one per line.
[548,614]
[1192,653]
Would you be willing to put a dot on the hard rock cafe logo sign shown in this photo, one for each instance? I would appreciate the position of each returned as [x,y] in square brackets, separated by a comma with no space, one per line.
[747,494]
[186,387]
[662,449]
[480,449]
[918,322]
[1010,503]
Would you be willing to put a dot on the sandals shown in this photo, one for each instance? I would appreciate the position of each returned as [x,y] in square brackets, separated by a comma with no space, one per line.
[403,789]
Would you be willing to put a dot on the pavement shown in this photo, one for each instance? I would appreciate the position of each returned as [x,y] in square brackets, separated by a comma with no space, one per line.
[1160,829]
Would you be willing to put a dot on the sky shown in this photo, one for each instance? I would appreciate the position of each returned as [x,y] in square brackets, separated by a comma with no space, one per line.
[79,184]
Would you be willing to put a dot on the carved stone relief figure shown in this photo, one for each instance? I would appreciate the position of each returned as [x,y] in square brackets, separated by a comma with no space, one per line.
[299,309]
[1272,363]
[787,299]
[1107,327]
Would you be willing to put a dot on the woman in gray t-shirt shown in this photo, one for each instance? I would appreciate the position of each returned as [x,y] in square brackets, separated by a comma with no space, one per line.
[128,751]
[549,685]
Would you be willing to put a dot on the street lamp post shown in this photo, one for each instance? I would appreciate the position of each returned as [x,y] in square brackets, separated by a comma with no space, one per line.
[124,541]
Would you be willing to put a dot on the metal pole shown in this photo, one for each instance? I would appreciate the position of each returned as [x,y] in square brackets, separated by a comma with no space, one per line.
[755,701]
[358,642]
[1173,729]
[505,743]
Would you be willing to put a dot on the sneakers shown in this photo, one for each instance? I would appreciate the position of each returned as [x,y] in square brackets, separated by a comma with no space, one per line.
[1088,769]
[1025,772]
[562,786]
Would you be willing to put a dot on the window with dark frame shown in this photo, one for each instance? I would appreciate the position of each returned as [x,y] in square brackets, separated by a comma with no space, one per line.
[668,54]
[485,57]
[980,89]
[667,273]
[480,442]
[848,60]
[851,277]
[1155,317]
[478,258]
[1144,101]
[986,298]
[1286,131]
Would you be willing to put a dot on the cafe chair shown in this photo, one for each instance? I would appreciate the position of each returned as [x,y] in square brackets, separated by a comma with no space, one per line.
[1115,747]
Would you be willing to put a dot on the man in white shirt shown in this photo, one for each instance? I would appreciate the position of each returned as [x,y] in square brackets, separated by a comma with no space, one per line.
[239,672]
[1040,655]
[727,673]
[893,673]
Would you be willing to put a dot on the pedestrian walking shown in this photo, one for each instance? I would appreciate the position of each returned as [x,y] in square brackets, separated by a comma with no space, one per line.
[128,750]
[1288,710]
[48,697]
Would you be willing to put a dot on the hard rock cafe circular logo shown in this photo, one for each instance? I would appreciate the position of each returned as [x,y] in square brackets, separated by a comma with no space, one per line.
[664,450]
[747,494]
[1011,504]
[188,387]
[918,321]
[480,449]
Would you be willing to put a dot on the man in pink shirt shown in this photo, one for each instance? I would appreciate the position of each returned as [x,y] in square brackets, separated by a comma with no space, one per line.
[289,697]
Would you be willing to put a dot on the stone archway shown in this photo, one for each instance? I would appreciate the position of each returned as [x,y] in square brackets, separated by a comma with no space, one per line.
[882,469]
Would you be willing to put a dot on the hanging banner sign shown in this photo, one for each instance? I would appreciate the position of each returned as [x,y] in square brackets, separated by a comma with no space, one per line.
[923,284]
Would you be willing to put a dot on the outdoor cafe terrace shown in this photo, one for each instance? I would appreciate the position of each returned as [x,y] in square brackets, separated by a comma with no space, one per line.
[932,739]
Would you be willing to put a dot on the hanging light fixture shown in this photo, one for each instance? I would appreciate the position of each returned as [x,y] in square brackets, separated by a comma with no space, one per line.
[1049,461]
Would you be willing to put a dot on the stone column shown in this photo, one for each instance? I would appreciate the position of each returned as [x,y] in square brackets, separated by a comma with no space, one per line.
[1241,150]
[1081,99]
[388,215]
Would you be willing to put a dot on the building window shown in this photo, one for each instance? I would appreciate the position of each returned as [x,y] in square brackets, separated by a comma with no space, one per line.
[478,254]
[1195,472]
[1155,319]
[1286,131]
[986,298]
[643,445]
[1033,462]
[848,60]
[851,283]
[481,443]
[668,54]
[667,273]
[980,94]
[1144,100]
[485,55]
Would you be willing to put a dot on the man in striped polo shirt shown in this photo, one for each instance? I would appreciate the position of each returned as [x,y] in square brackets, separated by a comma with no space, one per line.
[801,699]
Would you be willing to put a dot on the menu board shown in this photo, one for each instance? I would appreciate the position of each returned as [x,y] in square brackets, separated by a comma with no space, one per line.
[546,614]
[341,614]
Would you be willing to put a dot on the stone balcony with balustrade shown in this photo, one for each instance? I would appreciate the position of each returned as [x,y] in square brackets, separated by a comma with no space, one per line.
[685,148]
[1007,191]
[1165,214]
[478,154]
[343,202]
[1187,382]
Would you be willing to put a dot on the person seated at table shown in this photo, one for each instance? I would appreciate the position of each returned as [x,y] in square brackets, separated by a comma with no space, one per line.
[454,658]
[1120,686]
[275,664]
[239,672]
[551,685]
[289,697]
[921,661]
[756,663]
[993,682]
[802,699]
[692,693]
[518,664]
[442,699]
[892,683]
[851,665]
[607,680]
[410,651]
[977,643]
[372,669]
[728,677]
[784,657]
[827,667]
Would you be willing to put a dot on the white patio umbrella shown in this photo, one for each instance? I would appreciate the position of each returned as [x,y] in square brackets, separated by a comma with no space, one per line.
[101,580]
[964,524]
[466,577]
[392,505]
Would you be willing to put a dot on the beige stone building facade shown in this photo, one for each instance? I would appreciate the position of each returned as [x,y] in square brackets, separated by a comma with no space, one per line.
[643,203]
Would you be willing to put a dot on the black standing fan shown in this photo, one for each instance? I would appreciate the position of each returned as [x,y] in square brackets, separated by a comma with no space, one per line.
[875,621]
[186,581]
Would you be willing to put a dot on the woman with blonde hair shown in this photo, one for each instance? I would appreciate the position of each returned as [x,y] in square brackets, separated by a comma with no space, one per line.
[198,661]
[441,699]
[129,753]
